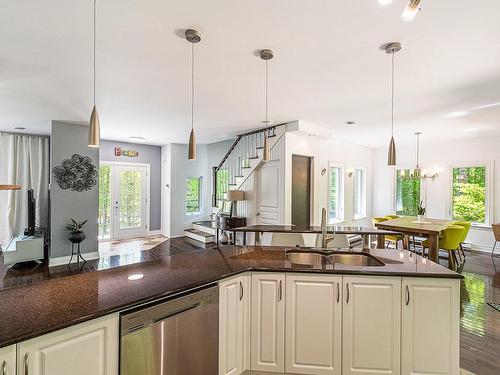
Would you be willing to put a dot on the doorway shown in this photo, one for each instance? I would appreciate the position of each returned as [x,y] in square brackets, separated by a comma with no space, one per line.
[301,190]
[123,200]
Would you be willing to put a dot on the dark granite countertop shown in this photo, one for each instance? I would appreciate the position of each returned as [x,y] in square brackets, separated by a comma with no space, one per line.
[31,311]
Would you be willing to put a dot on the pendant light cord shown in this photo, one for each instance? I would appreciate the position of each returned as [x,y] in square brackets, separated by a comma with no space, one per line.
[392,96]
[94,46]
[192,86]
[267,89]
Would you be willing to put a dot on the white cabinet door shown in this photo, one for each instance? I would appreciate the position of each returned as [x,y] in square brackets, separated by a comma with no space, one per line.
[268,322]
[8,360]
[234,325]
[371,325]
[313,324]
[87,348]
[431,326]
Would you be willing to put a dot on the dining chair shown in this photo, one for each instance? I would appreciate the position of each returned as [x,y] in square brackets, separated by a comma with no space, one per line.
[496,232]
[392,216]
[393,239]
[287,239]
[340,241]
[451,243]
[466,225]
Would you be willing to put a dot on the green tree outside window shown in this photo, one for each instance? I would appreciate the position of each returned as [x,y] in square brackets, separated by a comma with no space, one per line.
[407,194]
[193,195]
[469,194]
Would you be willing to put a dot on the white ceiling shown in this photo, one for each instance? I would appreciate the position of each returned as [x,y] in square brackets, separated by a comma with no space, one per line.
[328,68]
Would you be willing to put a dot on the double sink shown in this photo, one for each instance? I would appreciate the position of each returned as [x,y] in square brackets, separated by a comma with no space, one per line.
[321,257]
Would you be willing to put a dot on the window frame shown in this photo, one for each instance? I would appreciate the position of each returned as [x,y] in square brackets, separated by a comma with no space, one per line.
[200,198]
[364,194]
[340,194]
[423,187]
[489,166]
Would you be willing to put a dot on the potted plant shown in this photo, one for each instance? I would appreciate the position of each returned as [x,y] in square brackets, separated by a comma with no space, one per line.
[76,234]
[421,212]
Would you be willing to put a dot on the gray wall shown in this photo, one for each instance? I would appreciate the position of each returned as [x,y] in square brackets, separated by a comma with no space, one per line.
[68,139]
[147,154]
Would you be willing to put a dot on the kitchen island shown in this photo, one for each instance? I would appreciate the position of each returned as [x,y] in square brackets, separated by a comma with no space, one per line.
[269,279]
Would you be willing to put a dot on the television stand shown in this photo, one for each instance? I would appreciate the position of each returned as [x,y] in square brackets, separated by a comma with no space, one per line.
[23,249]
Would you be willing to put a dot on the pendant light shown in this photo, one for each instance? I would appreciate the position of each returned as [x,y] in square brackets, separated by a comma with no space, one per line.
[193,37]
[410,11]
[417,173]
[94,126]
[266,55]
[391,49]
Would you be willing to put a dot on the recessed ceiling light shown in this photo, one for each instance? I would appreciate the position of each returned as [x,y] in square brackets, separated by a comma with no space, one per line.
[350,122]
[19,128]
[470,130]
[384,2]
[135,276]
[457,114]
[137,138]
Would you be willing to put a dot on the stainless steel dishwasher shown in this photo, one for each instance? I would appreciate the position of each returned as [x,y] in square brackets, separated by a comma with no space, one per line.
[176,337]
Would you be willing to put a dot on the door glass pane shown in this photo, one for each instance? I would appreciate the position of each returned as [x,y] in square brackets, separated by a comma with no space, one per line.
[130,200]
[407,193]
[104,219]
[193,195]
[334,185]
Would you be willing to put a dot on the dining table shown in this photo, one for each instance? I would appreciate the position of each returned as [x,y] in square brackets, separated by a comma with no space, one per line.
[411,226]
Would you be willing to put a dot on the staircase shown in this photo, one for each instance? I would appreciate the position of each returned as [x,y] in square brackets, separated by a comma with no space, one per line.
[243,157]
[241,160]
[202,231]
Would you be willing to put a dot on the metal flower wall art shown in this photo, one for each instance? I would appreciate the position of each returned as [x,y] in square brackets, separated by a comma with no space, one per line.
[77,173]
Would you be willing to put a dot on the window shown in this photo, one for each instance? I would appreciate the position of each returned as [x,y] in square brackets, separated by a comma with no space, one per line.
[104,218]
[470,194]
[193,195]
[222,181]
[407,193]
[359,194]
[335,195]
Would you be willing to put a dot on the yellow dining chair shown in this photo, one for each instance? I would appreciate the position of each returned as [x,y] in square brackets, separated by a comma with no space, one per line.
[451,243]
[466,225]
[394,239]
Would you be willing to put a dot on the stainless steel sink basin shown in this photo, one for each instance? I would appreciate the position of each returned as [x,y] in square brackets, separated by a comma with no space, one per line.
[363,260]
[308,258]
[325,256]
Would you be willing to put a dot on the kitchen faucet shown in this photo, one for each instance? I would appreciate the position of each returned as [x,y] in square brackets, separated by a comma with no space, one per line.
[325,238]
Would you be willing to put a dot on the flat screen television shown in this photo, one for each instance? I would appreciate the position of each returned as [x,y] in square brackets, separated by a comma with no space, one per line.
[30,230]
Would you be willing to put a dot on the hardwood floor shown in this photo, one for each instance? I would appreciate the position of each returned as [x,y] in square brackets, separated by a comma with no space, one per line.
[480,323]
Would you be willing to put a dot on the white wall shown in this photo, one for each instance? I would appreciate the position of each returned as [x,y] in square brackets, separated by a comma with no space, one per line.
[439,156]
[324,152]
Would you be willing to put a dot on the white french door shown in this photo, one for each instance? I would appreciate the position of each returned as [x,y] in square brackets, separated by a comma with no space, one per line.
[123,200]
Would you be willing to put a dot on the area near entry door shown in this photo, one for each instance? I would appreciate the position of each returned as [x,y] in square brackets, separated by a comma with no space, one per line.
[130,200]
[123,200]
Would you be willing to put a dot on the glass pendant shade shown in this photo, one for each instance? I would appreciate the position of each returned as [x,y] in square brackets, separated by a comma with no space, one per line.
[410,12]
[94,129]
[192,146]
[391,157]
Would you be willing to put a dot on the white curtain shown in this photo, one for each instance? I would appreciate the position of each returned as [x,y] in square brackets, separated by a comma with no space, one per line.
[24,160]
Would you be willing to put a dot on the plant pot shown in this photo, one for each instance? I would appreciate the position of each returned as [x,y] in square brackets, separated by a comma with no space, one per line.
[76,237]
[420,218]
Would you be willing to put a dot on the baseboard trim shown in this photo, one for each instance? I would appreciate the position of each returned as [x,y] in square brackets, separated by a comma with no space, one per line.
[482,248]
[59,261]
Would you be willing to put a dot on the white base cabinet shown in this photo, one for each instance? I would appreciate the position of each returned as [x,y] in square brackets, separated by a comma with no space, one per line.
[234,325]
[86,348]
[371,325]
[267,348]
[313,324]
[8,360]
[430,328]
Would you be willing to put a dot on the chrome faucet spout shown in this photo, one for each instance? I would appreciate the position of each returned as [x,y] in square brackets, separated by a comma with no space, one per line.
[325,238]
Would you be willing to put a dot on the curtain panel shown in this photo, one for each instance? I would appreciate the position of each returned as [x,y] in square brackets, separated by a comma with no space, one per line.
[24,160]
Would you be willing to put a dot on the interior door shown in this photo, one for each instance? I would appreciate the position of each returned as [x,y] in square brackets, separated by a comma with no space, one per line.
[268,187]
[129,200]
